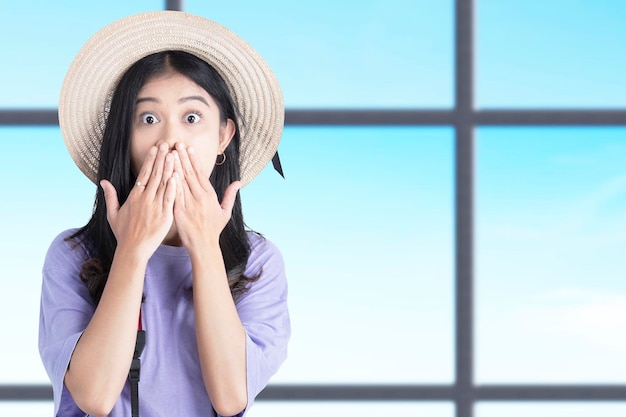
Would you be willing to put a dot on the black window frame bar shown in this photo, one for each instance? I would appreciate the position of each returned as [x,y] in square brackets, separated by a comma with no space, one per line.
[463,392]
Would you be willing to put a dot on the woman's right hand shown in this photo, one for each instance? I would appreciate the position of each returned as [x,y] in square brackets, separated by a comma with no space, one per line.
[139,225]
[143,221]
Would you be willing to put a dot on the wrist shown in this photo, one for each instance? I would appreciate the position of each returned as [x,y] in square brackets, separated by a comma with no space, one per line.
[207,251]
[132,254]
[201,244]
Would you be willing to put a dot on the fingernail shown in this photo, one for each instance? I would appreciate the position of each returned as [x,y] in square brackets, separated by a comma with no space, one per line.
[163,147]
[191,150]
[153,150]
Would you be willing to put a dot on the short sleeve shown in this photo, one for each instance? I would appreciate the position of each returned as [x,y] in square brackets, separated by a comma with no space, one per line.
[66,308]
[264,314]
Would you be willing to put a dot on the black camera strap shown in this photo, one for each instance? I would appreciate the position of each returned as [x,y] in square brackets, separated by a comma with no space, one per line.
[135,367]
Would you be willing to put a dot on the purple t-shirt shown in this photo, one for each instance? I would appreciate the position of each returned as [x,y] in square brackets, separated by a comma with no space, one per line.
[171,380]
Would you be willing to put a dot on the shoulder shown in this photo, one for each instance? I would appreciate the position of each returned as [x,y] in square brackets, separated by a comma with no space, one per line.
[267,263]
[62,287]
[263,251]
[65,251]
[259,244]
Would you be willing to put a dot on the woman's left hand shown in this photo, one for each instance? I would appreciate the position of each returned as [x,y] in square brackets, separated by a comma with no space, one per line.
[198,215]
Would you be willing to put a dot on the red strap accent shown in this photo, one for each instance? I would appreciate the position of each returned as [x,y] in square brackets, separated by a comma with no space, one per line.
[139,326]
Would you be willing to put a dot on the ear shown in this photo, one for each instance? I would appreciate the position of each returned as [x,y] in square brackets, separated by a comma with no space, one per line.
[227,131]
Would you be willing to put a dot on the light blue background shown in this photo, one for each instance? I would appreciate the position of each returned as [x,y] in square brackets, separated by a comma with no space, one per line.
[364,217]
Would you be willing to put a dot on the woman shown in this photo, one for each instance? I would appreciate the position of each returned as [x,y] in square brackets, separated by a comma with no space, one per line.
[150,111]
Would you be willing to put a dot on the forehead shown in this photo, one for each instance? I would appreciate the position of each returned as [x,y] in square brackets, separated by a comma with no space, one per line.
[171,82]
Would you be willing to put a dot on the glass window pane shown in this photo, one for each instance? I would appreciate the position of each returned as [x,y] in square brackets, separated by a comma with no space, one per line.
[556,53]
[376,53]
[551,234]
[44,37]
[543,409]
[364,221]
[352,408]
[26,408]
[44,193]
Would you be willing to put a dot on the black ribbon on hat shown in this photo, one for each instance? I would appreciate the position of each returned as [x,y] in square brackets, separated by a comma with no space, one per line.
[277,166]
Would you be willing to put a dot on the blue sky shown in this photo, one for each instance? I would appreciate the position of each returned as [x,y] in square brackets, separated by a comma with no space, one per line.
[557,53]
[364,218]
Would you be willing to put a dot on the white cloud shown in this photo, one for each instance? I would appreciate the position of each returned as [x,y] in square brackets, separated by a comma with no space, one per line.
[572,335]
[594,317]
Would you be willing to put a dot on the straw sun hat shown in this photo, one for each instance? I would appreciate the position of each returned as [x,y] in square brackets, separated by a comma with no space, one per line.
[97,68]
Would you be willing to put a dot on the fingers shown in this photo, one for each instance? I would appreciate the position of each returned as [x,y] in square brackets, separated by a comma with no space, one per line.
[157,180]
[166,177]
[156,171]
[168,169]
[193,160]
[184,163]
[146,168]
[180,189]
[230,195]
[170,192]
[194,175]
[178,167]
[110,198]
[181,184]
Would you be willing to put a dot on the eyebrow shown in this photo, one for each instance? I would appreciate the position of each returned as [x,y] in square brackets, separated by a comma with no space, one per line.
[144,99]
[190,98]
[181,100]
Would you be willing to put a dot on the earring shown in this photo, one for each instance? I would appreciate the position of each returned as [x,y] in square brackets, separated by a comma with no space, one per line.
[223,159]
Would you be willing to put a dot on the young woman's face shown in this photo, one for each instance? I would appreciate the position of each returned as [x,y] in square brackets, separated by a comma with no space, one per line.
[170,109]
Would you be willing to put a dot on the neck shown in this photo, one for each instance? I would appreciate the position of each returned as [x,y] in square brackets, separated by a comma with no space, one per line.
[172,238]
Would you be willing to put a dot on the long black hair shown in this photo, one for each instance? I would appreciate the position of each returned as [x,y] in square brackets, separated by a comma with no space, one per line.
[115,166]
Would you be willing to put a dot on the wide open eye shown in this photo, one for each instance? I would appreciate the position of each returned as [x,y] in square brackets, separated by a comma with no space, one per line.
[149,118]
[193,117]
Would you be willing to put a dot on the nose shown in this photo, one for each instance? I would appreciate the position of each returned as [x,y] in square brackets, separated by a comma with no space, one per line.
[171,136]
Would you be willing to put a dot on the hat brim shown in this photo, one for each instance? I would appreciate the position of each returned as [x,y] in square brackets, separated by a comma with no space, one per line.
[97,68]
